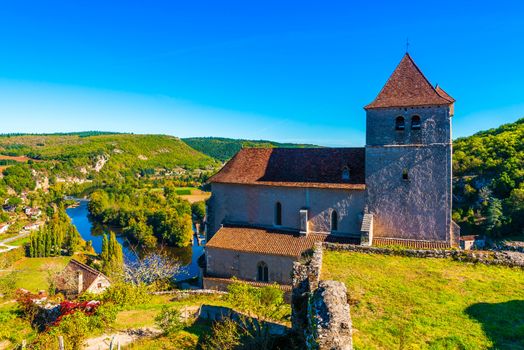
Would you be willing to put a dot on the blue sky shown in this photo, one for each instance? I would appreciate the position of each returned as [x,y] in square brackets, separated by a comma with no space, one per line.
[294,71]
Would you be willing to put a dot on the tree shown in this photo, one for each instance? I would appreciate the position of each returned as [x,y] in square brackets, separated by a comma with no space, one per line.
[494,217]
[150,269]
[198,209]
[112,257]
[141,232]
[168,320]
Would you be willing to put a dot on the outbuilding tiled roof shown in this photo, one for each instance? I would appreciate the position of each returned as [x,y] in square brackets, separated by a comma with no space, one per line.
[295,167]
[408,87]
[268,241]
[89,274]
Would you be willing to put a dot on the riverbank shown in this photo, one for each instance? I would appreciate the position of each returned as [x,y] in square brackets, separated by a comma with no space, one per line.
[90,230]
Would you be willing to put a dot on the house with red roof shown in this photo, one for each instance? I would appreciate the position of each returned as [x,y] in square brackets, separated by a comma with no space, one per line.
[269,206]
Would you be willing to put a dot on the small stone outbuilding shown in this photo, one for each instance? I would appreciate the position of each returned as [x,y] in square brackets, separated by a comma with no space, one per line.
[77,278]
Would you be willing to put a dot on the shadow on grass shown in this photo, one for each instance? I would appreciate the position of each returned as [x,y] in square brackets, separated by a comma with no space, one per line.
[503,323]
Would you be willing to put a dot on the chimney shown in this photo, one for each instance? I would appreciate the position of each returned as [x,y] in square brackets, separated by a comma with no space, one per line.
[304,230]
[80,280]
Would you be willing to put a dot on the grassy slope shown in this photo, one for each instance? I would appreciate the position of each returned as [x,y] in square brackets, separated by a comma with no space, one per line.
[411,303]
[31,273]
[124,150]
[223,148]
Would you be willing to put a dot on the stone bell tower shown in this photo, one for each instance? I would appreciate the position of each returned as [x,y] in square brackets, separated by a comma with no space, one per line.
[408,160]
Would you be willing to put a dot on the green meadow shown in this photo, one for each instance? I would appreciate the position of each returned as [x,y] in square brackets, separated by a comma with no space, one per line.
[413,303]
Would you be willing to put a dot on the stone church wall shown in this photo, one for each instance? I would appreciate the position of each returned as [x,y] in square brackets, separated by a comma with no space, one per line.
[255,205]
[229,263]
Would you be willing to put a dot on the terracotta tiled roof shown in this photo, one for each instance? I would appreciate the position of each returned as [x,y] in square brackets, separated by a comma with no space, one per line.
[470,238]
[295,167]
[89,274]
[407,87]
[271,242]
[443,93]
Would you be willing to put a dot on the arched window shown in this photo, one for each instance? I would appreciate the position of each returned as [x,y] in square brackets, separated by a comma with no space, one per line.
[415,122]
[334,220]
[405,174]
[278,214]
[262,272]
[399,123]
[345,174]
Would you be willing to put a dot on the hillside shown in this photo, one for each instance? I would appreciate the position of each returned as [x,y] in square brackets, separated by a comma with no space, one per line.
[488,186]
[93,155]
[224,149]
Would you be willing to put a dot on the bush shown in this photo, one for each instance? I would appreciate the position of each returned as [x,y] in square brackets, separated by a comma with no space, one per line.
[168,320]
[9,258]
[264,303]
[127,294]
[224,335]
[7,285]
[74,328]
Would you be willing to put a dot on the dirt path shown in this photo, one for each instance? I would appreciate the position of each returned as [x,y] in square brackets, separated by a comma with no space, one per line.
[4,247]
[123,338]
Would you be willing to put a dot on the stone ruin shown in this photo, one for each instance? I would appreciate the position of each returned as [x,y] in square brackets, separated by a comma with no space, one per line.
[320,311]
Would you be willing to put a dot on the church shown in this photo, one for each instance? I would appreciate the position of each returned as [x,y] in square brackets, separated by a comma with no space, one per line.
[270,205]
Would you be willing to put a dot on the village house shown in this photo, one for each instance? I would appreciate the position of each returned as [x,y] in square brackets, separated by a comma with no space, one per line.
[33,226]
[32,212]
[269,206]
[77,278]
[472,242]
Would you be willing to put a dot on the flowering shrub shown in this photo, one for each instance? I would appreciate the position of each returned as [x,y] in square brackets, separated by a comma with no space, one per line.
[69,307]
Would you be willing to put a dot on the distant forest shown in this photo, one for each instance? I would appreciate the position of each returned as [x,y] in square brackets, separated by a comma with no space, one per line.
[488,187]
[224,149]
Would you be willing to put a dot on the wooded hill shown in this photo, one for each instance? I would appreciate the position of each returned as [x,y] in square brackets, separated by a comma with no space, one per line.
[224,149]
[488,187]
[98,155]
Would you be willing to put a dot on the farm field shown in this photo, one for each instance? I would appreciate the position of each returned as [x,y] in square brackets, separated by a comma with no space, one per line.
[412,303]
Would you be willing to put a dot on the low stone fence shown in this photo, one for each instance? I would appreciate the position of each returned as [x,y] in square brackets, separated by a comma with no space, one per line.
[189,292]
[218,313]
[504,258]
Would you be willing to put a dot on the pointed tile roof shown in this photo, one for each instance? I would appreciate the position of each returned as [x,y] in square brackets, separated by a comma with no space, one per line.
[444,94]
[408,87]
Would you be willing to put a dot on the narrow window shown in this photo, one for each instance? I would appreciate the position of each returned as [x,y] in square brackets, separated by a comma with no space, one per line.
[345,174]
[262,272]
[278,214]
[334,220]
[399,123]
[405,174]
[415,122]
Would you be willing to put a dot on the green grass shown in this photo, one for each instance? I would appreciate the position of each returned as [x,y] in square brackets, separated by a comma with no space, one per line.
[187,339]
[12,328]
[144,315]
[31,273]
[412,303]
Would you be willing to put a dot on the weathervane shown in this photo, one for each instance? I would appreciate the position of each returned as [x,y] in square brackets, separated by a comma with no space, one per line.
[407,45]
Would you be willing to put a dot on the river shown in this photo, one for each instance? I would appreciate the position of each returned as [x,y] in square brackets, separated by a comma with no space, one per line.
[92,231]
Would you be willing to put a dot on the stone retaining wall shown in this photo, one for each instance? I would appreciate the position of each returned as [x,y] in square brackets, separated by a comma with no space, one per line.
[504,258]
